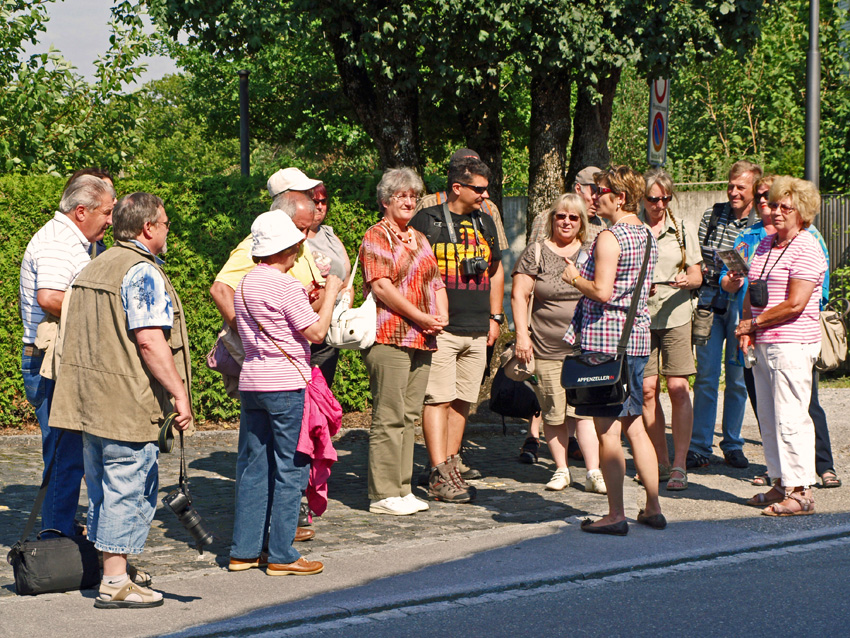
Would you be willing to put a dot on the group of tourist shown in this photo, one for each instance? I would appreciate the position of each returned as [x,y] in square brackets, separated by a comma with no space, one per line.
[112,328]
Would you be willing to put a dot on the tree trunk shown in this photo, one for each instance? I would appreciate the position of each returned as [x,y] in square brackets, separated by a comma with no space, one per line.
[591,125]
[388,114]
[549,134]
[482,128]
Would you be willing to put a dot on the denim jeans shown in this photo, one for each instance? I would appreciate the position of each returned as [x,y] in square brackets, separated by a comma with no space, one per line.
[122,480]
[707,383]
[270,475]
[63,490]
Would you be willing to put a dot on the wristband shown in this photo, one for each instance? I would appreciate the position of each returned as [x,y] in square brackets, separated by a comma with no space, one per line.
[574,279]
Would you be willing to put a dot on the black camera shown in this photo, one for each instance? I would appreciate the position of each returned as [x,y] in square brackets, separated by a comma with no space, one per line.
[180,503]
[473,266]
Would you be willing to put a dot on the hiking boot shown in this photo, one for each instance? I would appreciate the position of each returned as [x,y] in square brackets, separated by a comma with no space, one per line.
[455,462]
[695,460]
[444,486]
[528,451]
[468,473]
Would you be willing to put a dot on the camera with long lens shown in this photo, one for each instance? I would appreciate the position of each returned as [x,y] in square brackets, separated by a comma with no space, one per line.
[473,266]
[180,503]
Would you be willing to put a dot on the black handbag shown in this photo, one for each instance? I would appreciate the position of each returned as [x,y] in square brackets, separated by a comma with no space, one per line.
[512,398]
[45,565]
[597,378]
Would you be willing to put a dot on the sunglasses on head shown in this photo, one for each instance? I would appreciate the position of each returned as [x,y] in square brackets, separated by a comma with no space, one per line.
[480,190]
[666,199]
[559,217]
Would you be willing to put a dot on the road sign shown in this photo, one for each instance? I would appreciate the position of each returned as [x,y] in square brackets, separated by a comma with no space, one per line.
[659,102]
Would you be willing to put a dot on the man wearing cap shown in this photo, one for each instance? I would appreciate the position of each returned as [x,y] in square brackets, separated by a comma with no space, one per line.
[583,187]
[124,367]
[288,189]
[487,206]
[54,256]
[470,261]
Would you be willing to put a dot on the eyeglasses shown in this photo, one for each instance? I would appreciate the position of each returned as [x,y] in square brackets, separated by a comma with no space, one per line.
[599,191]
[559,217]
[655,200]
[761,196]
[167,223]
[782,207]
[480,190]
[320,200]
[404,198]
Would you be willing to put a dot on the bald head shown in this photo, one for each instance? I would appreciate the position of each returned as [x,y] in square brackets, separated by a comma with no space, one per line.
[298,205]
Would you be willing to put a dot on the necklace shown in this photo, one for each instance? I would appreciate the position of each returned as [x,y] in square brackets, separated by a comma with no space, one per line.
[404,238]
[785,242]
[624,216]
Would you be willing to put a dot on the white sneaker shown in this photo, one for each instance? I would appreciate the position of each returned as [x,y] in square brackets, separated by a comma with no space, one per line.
[418,503]
[559,480]
[393,505]
[595,483]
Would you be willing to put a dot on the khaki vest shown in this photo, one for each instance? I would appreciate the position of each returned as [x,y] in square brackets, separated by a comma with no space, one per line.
[103,387]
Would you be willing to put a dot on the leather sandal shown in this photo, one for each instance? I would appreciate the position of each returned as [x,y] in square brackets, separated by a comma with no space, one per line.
[762,480]
[116,597]
[139,576]
[800,503]
[765,498]
[677,484]
[830,479]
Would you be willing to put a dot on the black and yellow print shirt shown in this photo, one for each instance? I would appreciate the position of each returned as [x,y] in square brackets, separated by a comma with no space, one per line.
[469,296]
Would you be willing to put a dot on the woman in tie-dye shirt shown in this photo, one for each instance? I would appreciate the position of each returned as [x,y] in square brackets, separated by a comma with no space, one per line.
[401,271]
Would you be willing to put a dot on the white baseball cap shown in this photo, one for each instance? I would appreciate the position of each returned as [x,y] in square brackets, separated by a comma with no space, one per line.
[273,232]
[290,179]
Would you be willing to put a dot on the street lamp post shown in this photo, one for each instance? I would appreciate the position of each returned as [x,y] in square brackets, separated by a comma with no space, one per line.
[813,96]
[244,131]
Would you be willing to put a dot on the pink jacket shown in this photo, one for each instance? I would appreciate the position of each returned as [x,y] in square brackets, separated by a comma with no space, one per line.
[322,420]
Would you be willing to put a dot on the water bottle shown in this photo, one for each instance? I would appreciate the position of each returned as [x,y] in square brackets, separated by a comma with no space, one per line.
[750,358]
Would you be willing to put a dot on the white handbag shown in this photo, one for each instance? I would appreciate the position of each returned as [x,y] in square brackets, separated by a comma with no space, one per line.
[353,328]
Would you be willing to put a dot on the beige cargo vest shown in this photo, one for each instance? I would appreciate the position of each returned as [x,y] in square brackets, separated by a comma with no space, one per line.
[103,387]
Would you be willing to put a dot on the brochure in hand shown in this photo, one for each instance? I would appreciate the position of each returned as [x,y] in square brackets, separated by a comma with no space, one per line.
[733,260]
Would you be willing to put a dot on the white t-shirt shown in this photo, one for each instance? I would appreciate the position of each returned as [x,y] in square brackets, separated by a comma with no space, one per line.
[54,257]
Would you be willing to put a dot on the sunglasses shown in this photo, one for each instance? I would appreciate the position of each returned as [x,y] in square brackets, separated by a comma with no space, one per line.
[320,200]
[559,217]
[761,196]
[480,190]
[785,209]
[599,191]
[655,200]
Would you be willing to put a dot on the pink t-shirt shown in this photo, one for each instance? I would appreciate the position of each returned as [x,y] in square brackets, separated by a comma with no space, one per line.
[803,259]
[279,302]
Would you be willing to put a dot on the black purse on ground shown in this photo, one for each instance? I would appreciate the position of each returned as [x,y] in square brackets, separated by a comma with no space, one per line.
[45,565]
[597,378]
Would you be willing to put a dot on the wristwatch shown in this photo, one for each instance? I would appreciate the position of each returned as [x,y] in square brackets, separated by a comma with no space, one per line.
[499,318]
[754,323]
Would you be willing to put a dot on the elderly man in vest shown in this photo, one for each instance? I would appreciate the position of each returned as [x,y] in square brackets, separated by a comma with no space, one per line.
[124,367]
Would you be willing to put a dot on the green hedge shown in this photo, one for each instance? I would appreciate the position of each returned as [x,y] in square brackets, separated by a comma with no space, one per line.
[210,217]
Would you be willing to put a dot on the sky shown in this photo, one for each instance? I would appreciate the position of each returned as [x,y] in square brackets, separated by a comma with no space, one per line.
[79,29]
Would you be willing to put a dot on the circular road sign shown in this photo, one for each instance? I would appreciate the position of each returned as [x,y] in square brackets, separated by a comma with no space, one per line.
[659,127]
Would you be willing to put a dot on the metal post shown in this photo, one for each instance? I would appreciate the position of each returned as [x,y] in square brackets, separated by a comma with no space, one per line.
[813,96]
[244,131]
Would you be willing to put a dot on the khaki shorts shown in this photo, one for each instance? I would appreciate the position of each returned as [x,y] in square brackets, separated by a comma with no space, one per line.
[457,368]
[673,347]
[550,393]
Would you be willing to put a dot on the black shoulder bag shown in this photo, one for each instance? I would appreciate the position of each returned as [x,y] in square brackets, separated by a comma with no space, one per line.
[45,565]
[597,378]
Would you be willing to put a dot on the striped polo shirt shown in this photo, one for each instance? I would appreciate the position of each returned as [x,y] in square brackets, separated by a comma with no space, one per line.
[54,257]
[279,302]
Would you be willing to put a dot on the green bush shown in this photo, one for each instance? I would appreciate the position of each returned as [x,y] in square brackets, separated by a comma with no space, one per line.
[210,215]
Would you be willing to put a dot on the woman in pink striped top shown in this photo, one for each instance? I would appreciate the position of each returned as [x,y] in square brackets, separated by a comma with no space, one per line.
[780,322]
[276,324]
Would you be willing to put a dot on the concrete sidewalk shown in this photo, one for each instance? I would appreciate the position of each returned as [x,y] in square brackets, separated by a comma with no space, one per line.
[514,534]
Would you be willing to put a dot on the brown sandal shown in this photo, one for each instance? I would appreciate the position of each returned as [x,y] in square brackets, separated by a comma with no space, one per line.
[799,503]
[765,498]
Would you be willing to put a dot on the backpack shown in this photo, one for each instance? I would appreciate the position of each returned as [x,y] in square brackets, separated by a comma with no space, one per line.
[833,348]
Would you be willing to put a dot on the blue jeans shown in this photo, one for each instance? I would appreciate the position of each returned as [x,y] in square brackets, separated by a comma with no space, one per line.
[63,490]
[122,480]
[707,382]
[270,475]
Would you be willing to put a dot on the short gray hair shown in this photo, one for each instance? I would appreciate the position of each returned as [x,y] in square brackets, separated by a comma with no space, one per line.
[395,180]
[131,214]
[658,176]
[86,191]
[288,201]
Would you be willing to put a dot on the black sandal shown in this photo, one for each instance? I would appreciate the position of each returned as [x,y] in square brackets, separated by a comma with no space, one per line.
[830,479]
[528,451]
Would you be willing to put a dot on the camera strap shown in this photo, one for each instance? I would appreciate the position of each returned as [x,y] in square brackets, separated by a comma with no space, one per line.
[184,476]
[767,259]
[450,227]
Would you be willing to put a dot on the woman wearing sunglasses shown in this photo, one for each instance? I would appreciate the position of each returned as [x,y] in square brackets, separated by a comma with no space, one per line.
[677,273]
[608,280]
[780,322]
[541,336]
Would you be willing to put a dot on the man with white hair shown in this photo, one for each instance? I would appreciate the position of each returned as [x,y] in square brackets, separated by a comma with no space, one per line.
[53,257]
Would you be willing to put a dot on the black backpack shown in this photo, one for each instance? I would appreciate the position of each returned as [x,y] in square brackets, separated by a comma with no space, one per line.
[512,398]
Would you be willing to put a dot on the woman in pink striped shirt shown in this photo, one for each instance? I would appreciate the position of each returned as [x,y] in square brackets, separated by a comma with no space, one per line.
[276,324]
[780,324]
